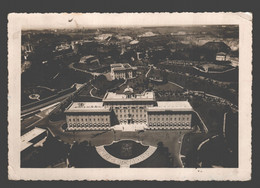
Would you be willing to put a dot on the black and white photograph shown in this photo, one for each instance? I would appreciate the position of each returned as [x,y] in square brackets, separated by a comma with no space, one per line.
[130,96]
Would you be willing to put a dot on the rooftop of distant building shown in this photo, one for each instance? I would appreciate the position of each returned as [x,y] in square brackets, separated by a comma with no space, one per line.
[221,54]
[122,66]
[87,107]
[171,106]
[145,96]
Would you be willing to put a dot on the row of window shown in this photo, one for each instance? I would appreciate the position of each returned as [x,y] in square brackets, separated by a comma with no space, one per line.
[132,115]
[169,115]
[123,72]
[120,73]
[139,104]
[87,119]
[140,110]
[120,76]
[123,106]
[170,124]
[169,119]
[133,121]
[88,125]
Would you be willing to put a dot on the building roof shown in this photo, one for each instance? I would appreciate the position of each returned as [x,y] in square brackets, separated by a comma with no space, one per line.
[171,106]
[27,137]
[87,107]
[128,90]
[221,54]
[146,96]
[122,66]
[116,65]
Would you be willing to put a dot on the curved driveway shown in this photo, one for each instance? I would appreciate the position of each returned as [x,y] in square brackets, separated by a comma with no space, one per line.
[125,163]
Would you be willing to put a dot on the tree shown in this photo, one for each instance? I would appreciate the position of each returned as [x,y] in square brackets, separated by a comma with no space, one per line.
[146,83]
[165,77]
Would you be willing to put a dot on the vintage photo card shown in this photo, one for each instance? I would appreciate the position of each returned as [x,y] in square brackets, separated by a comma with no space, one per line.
[129,96]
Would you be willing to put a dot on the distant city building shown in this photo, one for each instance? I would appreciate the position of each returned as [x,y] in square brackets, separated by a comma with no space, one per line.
[129,109]
[138,55]
[122,71]
[61,47]
[27,48]
[221,56]
[103,37]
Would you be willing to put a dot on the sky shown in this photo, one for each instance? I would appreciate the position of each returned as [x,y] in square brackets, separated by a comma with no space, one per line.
[37,21]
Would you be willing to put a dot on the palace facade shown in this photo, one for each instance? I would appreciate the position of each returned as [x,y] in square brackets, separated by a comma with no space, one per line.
[129,109]
[122,71]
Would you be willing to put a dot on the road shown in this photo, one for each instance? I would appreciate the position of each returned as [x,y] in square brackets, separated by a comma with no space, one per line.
[150,68]
[90,92]
[176,84]
[205,141]
[224,125]
[44,87]
[204,126]
[35,108]
[76,69]
[41,115]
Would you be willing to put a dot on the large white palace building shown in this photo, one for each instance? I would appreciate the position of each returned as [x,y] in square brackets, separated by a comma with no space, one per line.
[129,109]
[122,71]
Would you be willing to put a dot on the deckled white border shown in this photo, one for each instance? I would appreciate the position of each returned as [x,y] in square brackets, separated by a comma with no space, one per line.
[17,22]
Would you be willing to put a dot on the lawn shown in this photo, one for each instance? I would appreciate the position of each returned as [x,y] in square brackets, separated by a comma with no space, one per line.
[126,149]
[170,87]
[170,139]
[159,159]
[190,144]
[211,113]
[216,153]
[84,155]
[216,67]
[67,77]
[84,95]
[26,91]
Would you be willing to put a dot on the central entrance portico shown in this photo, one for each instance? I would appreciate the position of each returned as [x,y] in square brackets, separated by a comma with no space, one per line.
[130,127]
[130,119]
